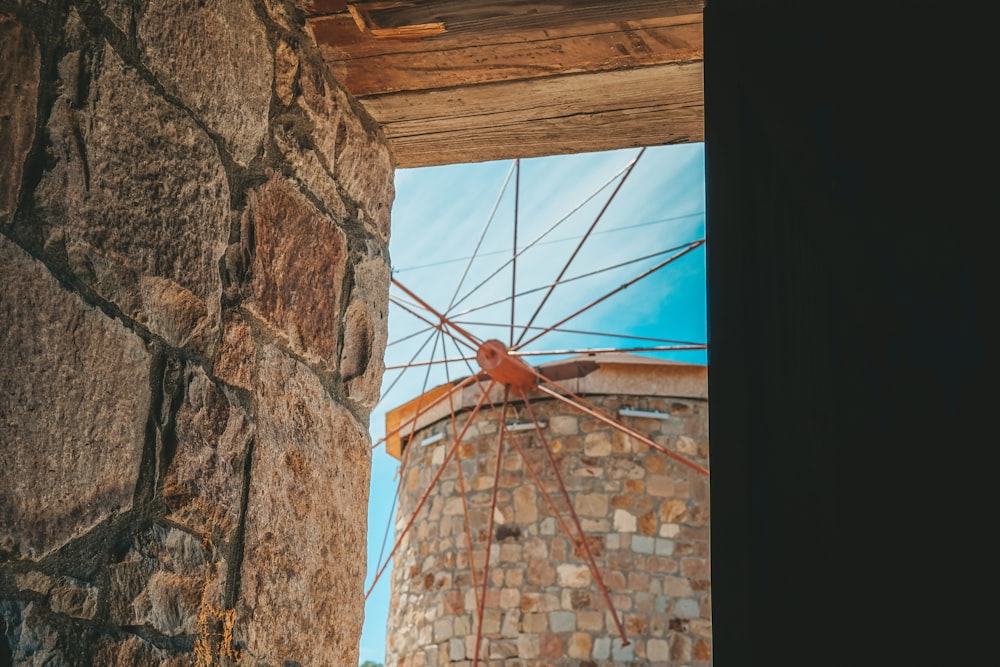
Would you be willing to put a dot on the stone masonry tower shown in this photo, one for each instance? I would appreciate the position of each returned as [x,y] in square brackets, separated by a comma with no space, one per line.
[645,517]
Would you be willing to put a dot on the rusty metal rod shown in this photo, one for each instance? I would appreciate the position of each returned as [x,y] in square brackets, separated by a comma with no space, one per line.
[444,320]
[489,532]
[424,408]
[441,326]
[591,562]
[585,407]
[583,240]
[430,487]
[621,287]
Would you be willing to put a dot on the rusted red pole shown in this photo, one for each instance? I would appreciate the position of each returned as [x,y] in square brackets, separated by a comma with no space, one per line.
[420,411]
[659,266]
[584,407]
[430,487]
[591,563]
[489,532]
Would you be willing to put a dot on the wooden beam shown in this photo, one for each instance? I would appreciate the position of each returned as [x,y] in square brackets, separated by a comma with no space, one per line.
[321,7]
[654,105]
[400,19]
[369,66]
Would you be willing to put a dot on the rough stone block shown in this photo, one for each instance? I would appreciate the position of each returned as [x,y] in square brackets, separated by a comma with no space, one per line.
[591,621]
[657,650]
[362,360]
[357,157]
[562,621]
[137,190]
[597,444]
[162,582]
[306,165]
[573,576]
[134,652]
[19,74]
[500,649]
[687,608]
[32,640]
[77,599]
[456,649]
[74,398]
[203,484]
[299,262]
[526,504]
[286,68]
[305,532]
[213,57]
[552,646]
[602,648]
[528,646]
[676,587]
[235,354]
[592,504]
[643,545]
[680,647]
[624,522]
[621,653]
[34,581]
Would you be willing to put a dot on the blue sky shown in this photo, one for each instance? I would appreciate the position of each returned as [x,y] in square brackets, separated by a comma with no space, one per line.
[442,214]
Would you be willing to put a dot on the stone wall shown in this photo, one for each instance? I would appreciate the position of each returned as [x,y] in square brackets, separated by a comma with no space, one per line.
[193,283]
[646,518]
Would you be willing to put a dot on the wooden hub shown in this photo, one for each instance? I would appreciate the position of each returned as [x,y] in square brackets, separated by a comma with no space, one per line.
[494,358]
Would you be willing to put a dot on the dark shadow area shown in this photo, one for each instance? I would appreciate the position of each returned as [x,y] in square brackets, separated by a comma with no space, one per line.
[847,288]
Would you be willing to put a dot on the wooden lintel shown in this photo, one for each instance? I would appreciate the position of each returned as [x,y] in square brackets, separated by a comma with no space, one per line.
[371,67]
[655,105]
[322,7]
[462,16]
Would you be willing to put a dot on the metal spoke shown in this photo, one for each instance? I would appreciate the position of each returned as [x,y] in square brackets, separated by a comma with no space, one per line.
[452,327]
[513,271]
[407,336]
[430,487]
[461,490]
[404,458]
[482,234]
[442,318]
[405,367]
[414,364]
[584,546]
[439,326]
[587,408]
[545,233]
[563,239]
[420,412]
[583,240]
[611,350]
[492,517]
[610,294]
[679,347]
[575,278]
[605,334]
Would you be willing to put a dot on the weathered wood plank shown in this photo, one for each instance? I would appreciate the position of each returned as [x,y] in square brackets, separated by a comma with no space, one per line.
[319,7]
[552,97]
[461,16]
[567,114]
[340,39]
[368,66]
[586,133]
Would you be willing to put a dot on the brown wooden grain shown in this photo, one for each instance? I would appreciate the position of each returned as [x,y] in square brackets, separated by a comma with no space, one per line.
[459,16]
[655,105]
[365,69]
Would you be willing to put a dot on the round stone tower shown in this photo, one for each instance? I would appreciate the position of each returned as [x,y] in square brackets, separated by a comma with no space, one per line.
[644,517]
